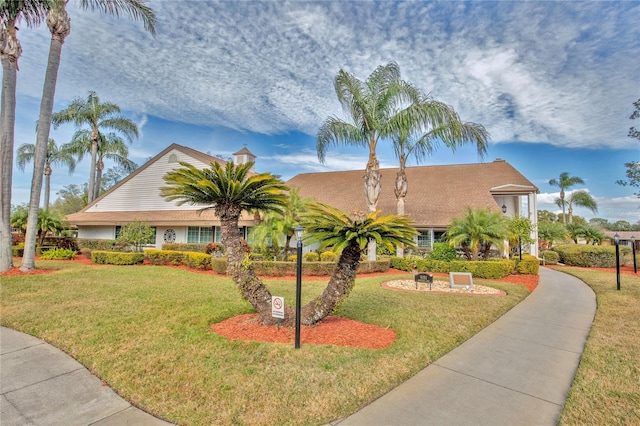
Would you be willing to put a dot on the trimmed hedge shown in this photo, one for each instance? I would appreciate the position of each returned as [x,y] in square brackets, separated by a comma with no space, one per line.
[193,247]
[281,269]
[550,257]
[328,256]
[94,244]
[479,269]
[17,251]
[588,256]
[116,257]
[59,253]
[195,260]
[311,256]
[529,265]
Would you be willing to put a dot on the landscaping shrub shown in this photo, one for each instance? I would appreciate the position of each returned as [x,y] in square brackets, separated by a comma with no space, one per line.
[529,265]
[328,256]
[550,257]
[219,265]
[292,258]
[280,268]
[17,251]
[214,249]
[479,269]
[116,258]
[311,256]
[194,247]
[164,257]
[442,251]
[58,253]
[197,260]
[94,244]
[589,256]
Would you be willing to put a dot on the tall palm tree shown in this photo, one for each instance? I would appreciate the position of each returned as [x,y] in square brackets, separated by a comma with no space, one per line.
[229,191]
[578,198]
[55,156]
[60,26]
[349,235]
[477,227]
[564,182]
[109,146]
[420,142]
[32,12]
[378,108]
[97,115]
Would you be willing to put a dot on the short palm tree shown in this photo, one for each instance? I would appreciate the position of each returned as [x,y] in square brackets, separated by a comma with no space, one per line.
[378,109]
[476,227]
[31,12]
[229,191]
[564,182]
[110,146]
[55,156]
[578,198]
[349,235]
[97,115]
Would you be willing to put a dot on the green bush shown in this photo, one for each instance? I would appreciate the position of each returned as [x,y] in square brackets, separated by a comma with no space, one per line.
[328,256]
[116,258]
[479,269]
[280,268]
[589,256]
[94,244]
[311,256]
[197,260]
[219,265]
[194,247]
[58,253]
[191,259]
[292,258]
[17,251]
[550,257]
[442,251]
[529,265]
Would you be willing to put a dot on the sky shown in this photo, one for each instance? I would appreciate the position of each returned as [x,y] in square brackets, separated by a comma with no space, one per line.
[552,82]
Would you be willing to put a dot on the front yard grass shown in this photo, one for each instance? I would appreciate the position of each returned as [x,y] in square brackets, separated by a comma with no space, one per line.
[606,390]
[144,330]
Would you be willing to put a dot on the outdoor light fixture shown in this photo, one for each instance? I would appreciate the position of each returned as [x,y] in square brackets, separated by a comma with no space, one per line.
[299,230]
[504,206]
[616,239]
[633,249]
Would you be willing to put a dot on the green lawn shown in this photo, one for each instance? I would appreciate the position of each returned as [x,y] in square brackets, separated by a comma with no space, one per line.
[606,390]
[144,330]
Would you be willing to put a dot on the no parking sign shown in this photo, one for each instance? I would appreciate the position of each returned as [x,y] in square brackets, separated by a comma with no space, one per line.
[277,307]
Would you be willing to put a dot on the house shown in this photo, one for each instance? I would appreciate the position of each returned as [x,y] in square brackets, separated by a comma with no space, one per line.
[436,195]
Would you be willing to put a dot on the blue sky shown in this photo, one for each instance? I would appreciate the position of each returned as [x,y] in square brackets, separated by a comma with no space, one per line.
[553,82]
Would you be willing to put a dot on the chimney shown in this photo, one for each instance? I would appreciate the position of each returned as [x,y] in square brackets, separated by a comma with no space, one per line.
[244,156]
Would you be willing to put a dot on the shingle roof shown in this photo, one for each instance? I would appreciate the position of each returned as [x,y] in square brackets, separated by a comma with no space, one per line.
[436,194]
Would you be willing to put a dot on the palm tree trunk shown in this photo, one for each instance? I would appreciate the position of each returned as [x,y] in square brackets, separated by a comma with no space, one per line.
[564,217]
[60,26]
[92,168]
[10,53]
[372,193]
[242,273]
[47,185]
[98,182]
[340,285]
[401,193]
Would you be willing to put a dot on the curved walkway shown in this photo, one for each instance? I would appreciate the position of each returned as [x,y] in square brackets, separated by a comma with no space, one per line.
[41,385]
[518,370]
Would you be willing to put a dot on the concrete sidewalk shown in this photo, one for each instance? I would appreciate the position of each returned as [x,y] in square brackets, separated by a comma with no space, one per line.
[41,385]
[517,371]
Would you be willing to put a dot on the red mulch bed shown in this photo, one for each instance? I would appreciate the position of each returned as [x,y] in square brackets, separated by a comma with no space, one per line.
[331,331]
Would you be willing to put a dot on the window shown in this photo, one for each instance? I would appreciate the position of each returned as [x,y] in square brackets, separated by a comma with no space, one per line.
[437,236]
[118,230]
[197,234]
[424,239]
[217,236]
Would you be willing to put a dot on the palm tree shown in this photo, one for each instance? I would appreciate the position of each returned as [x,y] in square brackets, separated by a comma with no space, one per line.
[476,227]
[60,25]
[578,198]
[276,226]
[55,156]
[421,142]
[97,116]
[32,12]
[564,182]
[378,108]
[349,235]
[229,191]
[110,146]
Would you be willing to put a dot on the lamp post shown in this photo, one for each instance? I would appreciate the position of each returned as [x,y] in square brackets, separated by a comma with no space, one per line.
[616,239]
[298,230]
[633,249]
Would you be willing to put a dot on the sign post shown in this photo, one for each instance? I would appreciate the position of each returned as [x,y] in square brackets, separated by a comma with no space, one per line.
[277,308]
